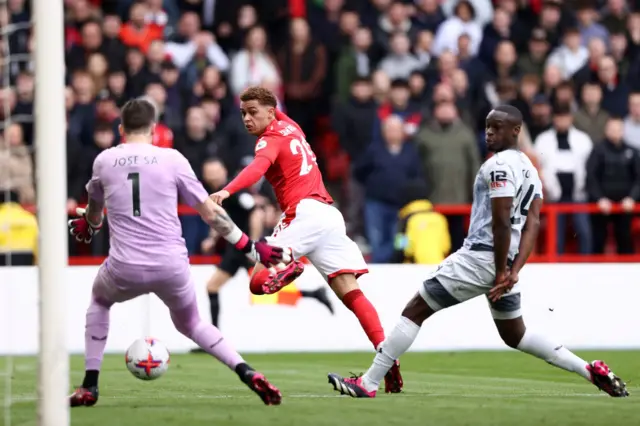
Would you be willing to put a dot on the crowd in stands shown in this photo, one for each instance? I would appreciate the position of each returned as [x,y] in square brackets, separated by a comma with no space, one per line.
[392,96]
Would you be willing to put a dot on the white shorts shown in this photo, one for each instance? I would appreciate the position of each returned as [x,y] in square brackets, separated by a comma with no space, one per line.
[464,275]
[317,231]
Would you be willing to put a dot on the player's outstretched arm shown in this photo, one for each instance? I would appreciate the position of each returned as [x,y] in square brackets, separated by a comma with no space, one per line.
[529,235]
[246,178]
[218,219]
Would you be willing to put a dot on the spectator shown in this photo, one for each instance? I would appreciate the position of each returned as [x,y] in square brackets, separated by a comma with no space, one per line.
[632,122]
[495,32]
[613,176]
[590,118]
[483,10]
[551,20]
[423,234]
[633,32]
[196,50]
[112,47]
[564,94]
[18,233]
[533,61]
[571,55]
[394,20]
[253,64]
[352,121]
[91,42]
[589,71]
[589,28]
[138,32]
[563,152]
[400,62]
[23,108]
[97,67]
[619,53]
[354,62]
[162,135]
[422,48]
[450,159]
[303,65]
[16,165]
[138,76]
[615,92]
[614,16]
[175,103]
[385,168]
[428,15]
[540,116]
[461,22]
[400,106]
[117,85]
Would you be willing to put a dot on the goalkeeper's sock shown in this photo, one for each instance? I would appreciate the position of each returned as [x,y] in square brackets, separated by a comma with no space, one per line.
[95,335]
[553,353]
[90,378]
[214,306]
[397,343]
[358,303]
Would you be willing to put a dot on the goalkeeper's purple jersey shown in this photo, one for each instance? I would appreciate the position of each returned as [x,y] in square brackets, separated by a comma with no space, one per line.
[140,185]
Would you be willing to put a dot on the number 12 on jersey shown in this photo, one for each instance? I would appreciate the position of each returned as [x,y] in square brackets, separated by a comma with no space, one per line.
[308,157]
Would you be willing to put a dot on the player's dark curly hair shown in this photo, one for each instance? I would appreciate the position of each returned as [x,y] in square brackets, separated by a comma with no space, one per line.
[260,94]
[138,115]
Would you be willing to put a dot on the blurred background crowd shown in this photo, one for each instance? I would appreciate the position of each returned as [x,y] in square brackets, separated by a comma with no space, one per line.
[392,96]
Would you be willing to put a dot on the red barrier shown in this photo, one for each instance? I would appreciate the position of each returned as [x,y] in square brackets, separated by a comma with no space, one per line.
[549,213]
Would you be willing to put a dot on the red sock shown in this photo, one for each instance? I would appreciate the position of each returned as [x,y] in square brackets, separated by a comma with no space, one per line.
[367,315]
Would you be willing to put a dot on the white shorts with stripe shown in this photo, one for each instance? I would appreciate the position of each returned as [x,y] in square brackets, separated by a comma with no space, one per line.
[465,274]
[317,231]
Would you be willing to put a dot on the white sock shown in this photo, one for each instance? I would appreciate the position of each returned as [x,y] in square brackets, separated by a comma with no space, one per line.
[554,353]
[397,343]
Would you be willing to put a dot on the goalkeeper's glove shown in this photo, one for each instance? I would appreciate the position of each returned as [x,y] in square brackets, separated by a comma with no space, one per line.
[81,228]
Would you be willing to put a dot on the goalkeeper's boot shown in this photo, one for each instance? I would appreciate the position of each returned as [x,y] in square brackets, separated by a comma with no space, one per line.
[282,278]
[606,381]
[256,381]
[84,397]
[352,386]
[393,379]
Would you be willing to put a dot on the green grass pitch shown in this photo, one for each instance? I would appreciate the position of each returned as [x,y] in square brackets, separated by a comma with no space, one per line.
[451,389]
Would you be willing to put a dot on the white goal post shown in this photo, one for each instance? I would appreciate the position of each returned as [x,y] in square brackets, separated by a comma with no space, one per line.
[50,150]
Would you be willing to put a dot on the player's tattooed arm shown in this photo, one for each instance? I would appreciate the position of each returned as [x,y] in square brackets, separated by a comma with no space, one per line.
[501,227]
[529,235]
[94,212]
[221,222]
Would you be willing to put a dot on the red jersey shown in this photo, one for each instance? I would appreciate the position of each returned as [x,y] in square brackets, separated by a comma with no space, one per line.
[293,173]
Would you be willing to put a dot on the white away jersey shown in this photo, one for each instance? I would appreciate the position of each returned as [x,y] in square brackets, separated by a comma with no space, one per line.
[509,173]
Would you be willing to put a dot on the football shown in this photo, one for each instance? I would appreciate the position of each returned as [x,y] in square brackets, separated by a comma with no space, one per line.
[147,358]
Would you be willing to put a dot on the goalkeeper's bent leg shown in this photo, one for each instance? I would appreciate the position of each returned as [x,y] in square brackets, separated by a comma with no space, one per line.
[188,322]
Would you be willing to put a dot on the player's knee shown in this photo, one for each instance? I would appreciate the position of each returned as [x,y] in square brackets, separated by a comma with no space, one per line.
[343,284]
[511,331]
[417,310]
[218,280]
[185,321]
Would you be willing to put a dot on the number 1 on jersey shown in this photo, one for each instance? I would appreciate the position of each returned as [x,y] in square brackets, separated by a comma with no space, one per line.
[134,177]
[303,148]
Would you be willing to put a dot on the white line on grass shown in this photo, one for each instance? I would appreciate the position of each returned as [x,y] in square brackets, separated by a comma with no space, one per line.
[25,399]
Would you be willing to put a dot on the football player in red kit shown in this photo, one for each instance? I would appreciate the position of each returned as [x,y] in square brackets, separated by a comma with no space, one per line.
[310,226]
